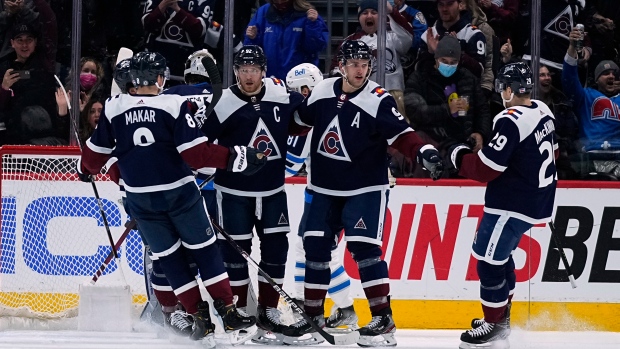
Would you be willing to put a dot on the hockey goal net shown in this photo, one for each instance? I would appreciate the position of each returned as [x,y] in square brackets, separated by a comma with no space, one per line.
[52,236]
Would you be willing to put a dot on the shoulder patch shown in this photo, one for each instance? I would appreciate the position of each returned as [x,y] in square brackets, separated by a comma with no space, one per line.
[513,113]
[378,91]
[420,17]
[277,81]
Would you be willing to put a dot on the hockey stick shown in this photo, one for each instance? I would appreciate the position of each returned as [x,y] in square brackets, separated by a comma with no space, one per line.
[130,226]
[556,240]
[346,339]
[92,178]
[216,83]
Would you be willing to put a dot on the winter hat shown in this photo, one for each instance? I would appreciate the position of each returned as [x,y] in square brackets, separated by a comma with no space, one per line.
[367,4]
[448,46]
[603,67]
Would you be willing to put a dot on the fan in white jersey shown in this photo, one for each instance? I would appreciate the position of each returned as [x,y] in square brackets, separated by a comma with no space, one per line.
[302,79]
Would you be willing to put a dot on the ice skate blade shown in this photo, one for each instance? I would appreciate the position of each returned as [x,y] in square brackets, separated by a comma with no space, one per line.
[307,339]
[268,338]
[243,335]
[342,329]
[383,340]
[497,344]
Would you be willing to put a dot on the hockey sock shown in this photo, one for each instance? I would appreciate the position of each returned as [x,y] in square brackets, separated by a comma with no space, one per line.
[373,274]
[274,251]
[180,278]
[300,268]
[161,287]
[511,278]
[339,283]
[237,269]
[493,291]
[317,273]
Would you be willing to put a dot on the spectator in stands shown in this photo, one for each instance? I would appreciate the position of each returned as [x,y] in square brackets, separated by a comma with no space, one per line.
[398,42]
[478,19]
[418,22]
[599,129]
[434,101]
[502,16]
[601,22]
[290,32]
[37,127]
[566,124]
[91,80]
[175,29]
[89,117]
[25,82]
[450,22]
[11,13]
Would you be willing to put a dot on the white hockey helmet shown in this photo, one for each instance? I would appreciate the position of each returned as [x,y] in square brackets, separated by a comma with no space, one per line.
[193,64]
[305,74]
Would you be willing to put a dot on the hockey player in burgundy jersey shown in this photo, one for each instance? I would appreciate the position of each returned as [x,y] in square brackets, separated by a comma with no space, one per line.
[157,142]
[518,166]
[302,79]
[256,111]
[354,120]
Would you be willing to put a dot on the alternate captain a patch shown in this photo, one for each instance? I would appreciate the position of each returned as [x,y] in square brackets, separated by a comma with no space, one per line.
[264,142]
[379,91]
[331,143]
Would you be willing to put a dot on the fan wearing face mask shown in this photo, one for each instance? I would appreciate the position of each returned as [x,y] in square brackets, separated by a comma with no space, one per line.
[435,101]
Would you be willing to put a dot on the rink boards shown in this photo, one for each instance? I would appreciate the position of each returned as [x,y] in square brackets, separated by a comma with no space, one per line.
[427,237]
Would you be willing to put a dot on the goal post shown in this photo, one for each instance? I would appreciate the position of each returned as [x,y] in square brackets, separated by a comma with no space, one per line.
[52,237]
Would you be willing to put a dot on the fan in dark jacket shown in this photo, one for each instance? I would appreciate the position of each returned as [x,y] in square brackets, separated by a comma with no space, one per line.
[434,101]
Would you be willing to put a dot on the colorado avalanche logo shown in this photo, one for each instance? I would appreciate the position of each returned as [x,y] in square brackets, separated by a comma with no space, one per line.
[562,24]
[331,143]
[604,108]
[263,141]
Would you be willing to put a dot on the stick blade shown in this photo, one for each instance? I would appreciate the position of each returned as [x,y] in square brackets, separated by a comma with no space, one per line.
[123,53]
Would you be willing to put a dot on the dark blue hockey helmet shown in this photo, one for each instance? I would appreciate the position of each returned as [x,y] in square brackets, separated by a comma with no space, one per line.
[145,67]
[353,49]
[518,76]
[122,76]
[251,54]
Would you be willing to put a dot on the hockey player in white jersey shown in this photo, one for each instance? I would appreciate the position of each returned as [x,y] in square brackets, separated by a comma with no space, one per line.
[518,166]
[147,133]
[354,120]
[302,79]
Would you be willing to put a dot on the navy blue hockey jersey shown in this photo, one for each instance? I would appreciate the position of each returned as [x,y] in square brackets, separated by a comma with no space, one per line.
[200,94]
[141,128]
[523,149]
[261,122]
[350,137]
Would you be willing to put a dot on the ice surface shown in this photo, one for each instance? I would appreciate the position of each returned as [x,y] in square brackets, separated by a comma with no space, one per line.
[427,339]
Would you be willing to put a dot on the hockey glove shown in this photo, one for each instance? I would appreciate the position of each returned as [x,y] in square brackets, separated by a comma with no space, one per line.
[81,175]
[429,157]
[245,160]
[455,155]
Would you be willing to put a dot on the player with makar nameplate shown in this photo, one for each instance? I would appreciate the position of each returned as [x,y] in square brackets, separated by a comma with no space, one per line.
[354,120]
[518,166]
[157,142]
[256,111]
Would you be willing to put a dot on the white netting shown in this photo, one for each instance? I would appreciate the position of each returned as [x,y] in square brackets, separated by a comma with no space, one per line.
[52,235]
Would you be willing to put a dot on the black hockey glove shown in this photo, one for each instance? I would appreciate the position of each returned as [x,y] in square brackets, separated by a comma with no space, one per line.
[455,156]
[81,175]
[429,157]
[245,160]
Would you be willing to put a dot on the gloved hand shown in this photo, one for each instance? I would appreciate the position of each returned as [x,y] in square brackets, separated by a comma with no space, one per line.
[429,157]
[455,156]
[245,160]
[82,175]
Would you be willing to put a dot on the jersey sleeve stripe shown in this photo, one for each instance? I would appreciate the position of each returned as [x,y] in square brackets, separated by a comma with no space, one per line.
[98,149]
[298,120]
[393,139]
[191,144]
[294,158]
[490,163]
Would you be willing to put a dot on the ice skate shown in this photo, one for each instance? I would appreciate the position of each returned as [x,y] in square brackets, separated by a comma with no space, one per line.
[269,326]
[178,323]
[342,320]
[488,335]
[203,330]
[302,333]
[239,325]
[476,322]
[379,332]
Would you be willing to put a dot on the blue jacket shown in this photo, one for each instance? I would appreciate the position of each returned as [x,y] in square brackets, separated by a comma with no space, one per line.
[288,40]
